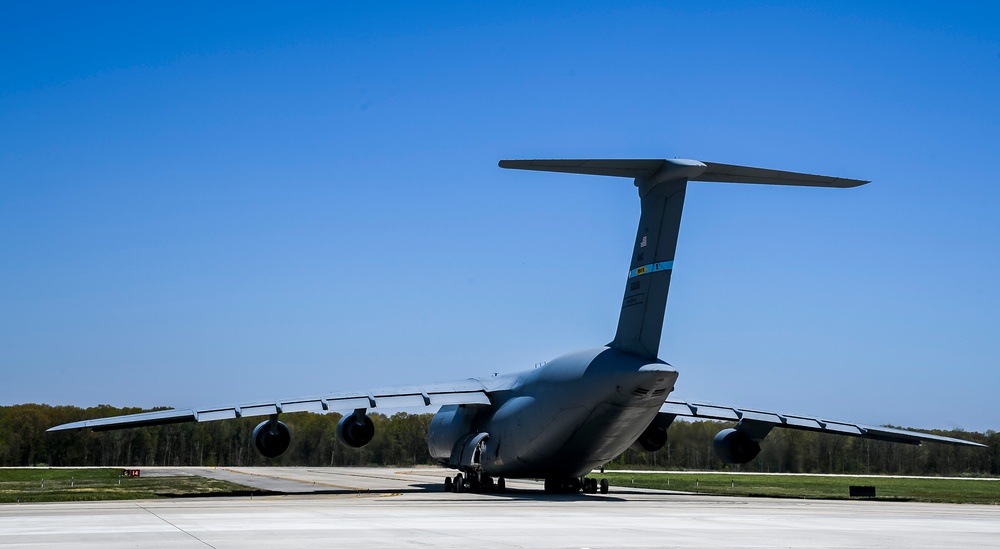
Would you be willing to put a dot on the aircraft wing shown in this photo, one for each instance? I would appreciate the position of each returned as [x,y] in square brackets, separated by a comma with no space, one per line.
[470,391]
[757,422]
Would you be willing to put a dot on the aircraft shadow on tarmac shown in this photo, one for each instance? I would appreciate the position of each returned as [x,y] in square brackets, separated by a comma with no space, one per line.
[518,494]
[415,489]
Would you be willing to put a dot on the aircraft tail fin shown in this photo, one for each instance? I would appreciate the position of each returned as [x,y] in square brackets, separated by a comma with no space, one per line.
[662,185]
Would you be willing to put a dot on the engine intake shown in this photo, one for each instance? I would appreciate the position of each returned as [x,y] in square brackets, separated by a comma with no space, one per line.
[355,429]
[271,444]
[651,440]
[735,446]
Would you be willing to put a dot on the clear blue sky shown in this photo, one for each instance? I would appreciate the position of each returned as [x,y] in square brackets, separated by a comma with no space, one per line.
[214,205]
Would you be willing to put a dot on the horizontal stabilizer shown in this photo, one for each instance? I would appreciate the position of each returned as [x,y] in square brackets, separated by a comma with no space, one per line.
[728,173]
[617,168]
[662,168]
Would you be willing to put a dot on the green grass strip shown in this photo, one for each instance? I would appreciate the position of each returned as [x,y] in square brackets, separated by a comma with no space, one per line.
[928,489]
[46,485]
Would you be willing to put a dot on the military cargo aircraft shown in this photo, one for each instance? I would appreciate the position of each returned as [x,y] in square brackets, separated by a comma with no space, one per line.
[562,420]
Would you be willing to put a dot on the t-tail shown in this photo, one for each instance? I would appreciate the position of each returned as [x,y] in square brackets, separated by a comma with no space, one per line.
[661,185]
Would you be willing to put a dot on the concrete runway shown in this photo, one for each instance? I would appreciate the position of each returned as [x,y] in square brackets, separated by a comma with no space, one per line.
[367,507]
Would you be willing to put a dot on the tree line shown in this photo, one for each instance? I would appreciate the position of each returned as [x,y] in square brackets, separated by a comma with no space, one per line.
[400,440]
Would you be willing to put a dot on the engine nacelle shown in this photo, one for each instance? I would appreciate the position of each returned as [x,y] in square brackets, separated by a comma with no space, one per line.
[651,440]
[355,429]
[734,446]
[451,425]
[271,444]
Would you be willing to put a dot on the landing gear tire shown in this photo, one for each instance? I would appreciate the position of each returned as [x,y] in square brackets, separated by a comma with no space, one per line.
[449,485]
[459,483]
[486,483]
[604,486]
[590,486]
[501,485]
[563,485]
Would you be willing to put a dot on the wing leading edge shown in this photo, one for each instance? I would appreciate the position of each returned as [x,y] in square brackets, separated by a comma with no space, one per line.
[758,423]
[469,391]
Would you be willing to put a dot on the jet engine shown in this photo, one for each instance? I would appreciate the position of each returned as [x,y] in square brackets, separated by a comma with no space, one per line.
[651,440]
[355,429]
[735,446]
[451,426]
[271,441]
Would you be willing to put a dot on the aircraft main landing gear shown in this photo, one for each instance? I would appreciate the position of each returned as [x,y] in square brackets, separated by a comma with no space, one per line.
[576,485]
[474,482]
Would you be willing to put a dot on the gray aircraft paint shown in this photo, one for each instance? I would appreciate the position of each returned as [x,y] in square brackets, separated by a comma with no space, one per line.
[641,321]
[581,409]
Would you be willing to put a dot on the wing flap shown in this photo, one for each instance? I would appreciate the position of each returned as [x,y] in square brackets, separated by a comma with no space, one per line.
[802,422]
[763,417]
[216,414]
[476,397]
[316,405]
[400,401]
[844,429]
[255,410]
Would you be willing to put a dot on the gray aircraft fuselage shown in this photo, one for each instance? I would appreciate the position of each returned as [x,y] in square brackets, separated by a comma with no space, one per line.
[560,420]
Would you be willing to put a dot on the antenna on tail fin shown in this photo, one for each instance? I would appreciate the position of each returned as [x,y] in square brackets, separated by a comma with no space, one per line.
[662,184]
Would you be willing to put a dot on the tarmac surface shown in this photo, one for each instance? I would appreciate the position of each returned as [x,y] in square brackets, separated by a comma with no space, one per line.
[370,507]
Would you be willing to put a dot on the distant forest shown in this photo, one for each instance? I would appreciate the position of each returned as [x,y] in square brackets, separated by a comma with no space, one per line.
[400,441]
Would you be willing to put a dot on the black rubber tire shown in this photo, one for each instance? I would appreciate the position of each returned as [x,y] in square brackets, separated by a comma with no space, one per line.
[449,484]
[604,486]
